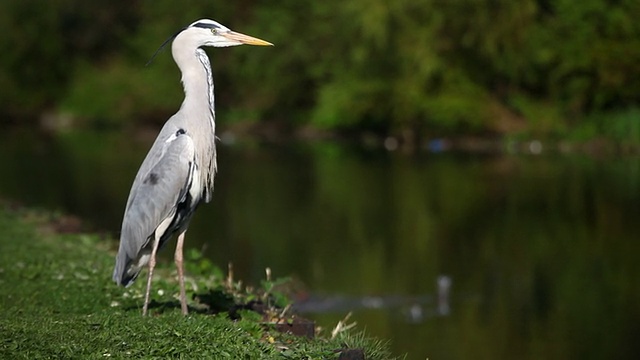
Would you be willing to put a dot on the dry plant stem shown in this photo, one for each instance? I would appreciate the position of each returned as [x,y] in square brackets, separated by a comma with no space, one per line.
[230,276]
[284,311]
[342,326]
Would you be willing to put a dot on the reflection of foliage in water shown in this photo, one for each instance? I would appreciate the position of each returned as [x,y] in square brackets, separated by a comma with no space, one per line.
[541,250]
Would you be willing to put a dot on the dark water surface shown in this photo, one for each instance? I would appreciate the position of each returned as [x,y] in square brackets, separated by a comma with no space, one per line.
[541,252]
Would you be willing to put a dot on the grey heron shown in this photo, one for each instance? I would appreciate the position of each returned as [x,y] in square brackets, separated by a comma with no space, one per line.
[178,172]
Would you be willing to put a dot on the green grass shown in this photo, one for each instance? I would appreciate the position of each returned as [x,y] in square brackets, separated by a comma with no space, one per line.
[57,302]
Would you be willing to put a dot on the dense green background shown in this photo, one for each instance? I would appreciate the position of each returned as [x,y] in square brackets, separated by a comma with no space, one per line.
[404,67]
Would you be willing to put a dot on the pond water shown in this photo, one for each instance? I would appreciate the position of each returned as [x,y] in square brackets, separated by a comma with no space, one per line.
[536,256]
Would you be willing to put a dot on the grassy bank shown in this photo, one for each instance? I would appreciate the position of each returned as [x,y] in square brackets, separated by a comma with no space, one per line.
[57,301]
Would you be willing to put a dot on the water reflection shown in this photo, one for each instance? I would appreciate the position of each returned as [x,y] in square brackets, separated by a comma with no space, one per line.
[540,251]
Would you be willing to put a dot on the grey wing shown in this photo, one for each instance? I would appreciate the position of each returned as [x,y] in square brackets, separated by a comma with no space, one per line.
[163,181]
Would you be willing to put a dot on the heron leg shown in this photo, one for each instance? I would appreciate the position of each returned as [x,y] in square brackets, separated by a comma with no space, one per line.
[152,265]
[180,265]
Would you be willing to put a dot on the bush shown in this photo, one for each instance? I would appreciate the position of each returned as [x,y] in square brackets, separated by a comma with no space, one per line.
[427,67]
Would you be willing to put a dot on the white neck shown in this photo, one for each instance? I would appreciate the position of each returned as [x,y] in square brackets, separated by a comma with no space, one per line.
[198,84]
[197,81]
[197,110]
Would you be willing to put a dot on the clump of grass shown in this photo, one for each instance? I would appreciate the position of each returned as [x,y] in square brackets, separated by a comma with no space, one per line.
[57,301]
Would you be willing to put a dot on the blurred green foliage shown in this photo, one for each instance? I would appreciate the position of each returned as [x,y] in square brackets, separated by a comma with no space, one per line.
[405,67]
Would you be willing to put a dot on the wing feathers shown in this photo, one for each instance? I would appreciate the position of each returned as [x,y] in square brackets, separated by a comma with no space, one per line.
[162,183]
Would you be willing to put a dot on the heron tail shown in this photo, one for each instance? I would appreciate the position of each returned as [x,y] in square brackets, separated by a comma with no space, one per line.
[125,272]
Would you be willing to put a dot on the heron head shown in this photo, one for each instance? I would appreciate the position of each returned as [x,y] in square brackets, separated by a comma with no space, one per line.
[207,32]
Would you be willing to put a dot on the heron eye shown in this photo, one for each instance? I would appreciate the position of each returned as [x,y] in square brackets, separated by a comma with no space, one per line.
[214,31]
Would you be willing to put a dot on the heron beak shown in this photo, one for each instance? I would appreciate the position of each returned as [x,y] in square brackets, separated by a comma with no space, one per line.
[245,39]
